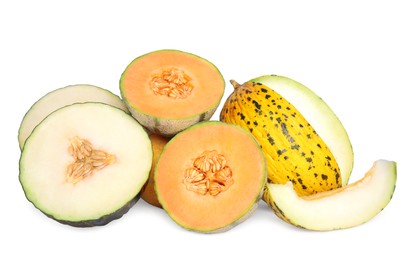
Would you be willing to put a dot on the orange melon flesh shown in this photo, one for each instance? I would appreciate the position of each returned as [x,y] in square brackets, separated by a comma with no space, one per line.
[208,213]
[208,85]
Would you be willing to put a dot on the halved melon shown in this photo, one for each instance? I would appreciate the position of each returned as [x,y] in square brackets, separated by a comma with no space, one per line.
[62,97]
[210,177]
[170,90]
[341,208]
[85,164]
[148,192]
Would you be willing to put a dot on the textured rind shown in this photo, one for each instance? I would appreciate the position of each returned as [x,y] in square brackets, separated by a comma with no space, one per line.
[293,149]
[168,127]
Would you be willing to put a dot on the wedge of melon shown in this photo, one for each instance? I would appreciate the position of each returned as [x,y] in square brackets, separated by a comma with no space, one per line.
[62,97]
[85,164]
[341,208]
[170,90]
[210,177]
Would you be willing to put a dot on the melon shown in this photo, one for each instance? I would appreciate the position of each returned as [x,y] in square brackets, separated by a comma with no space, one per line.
[303,140]
[61,97]
[170,90]
[85,164]
[346,207]
[210,177]
[148,192]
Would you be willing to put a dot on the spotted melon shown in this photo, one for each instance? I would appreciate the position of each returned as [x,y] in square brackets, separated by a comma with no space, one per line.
[303,140]
[61,97]
[170,90]
[210,177]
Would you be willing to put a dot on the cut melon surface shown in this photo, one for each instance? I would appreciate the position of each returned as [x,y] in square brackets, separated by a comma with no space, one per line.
[84,164]
[210,177]
[319,115]
[62,97]
[346,207]
[170,90]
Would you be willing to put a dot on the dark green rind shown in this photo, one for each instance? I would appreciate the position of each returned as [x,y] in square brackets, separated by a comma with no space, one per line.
[102,221]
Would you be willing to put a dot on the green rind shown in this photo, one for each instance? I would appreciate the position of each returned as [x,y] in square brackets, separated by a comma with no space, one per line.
[102,220]
[163,125]
[59,94]
[244,215]
[311,106]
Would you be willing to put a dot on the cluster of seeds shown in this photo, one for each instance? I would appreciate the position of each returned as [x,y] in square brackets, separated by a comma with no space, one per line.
[87,160]
[171,82]
[209,174]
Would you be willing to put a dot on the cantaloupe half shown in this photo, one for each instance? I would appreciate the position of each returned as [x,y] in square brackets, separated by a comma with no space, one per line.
[210,177]
[85,164]
[61,97]
[170,90]
[345,207]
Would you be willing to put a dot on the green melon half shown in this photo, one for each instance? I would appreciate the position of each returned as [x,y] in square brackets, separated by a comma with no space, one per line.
[62,97]
[85,164]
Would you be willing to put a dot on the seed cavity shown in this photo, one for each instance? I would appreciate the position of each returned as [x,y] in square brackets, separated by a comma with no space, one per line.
[209,174]
[171,82]
[87,160]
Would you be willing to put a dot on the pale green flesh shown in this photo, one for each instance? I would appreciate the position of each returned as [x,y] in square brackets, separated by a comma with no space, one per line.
[45,158]
[320,116]
[62,97]
[354,205]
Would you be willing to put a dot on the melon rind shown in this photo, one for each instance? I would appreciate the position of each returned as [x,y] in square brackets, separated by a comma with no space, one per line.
[320,116]
[61,97]
[98,199]
[165,126]
[346,207]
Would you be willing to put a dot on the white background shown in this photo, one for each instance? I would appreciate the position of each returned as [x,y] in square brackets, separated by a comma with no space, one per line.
[357,55]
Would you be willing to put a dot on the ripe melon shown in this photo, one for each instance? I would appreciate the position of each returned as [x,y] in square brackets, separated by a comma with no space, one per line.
[148,192]
[346,207]
[62,97]
[170,90]
[303,140]
[210,177]
[85,164]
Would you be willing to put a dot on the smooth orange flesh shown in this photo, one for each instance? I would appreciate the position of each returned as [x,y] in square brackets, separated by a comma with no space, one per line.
[208,212]
[208,84]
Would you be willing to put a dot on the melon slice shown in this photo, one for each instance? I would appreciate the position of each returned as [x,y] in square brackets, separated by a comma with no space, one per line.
[62,97]
[210,177]
[341,208]
[170,90]
[85,163]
